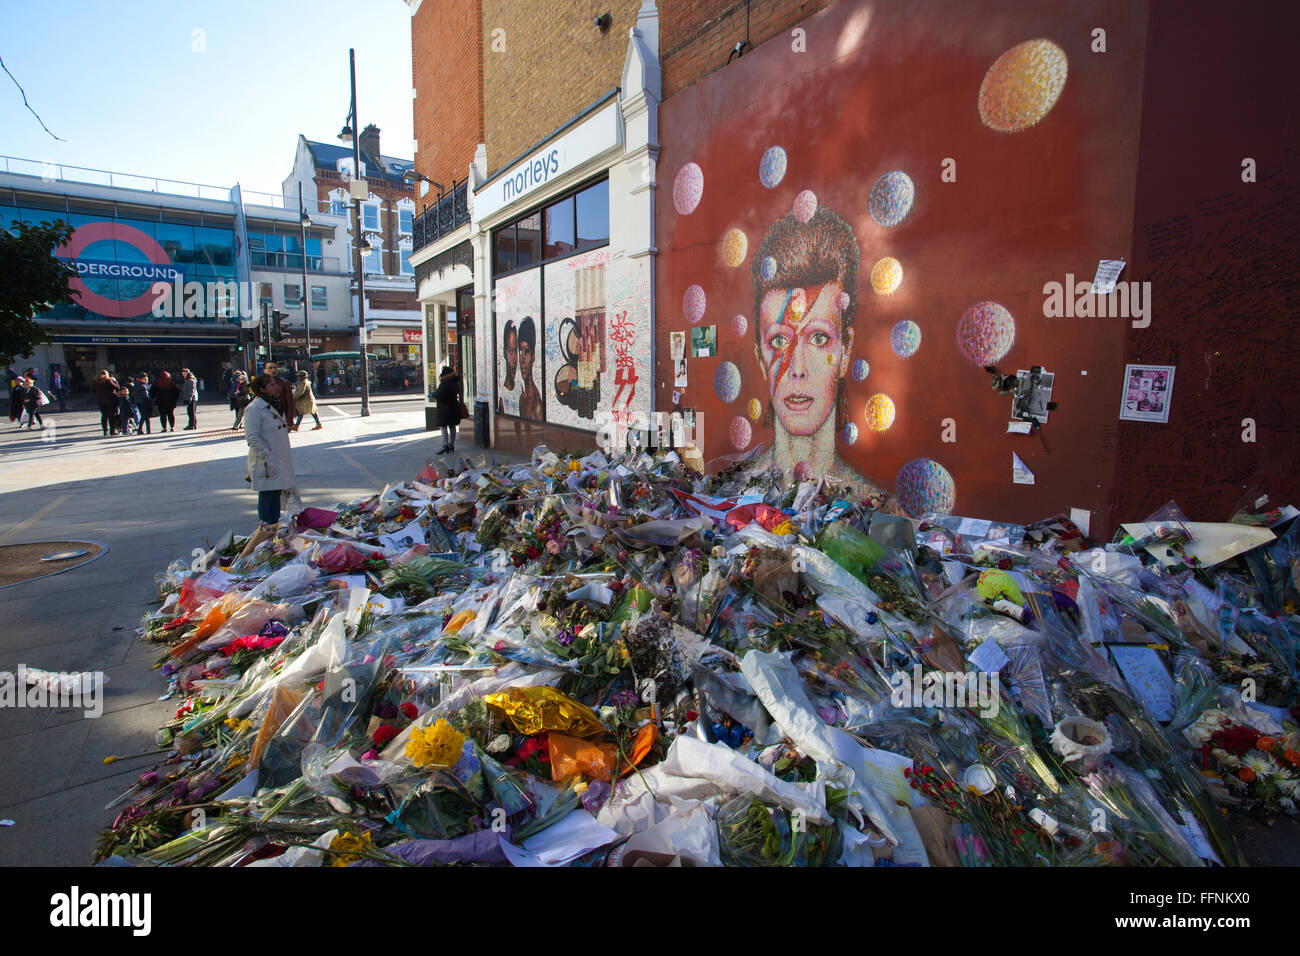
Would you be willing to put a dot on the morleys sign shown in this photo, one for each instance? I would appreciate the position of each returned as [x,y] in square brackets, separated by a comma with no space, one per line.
[567,154]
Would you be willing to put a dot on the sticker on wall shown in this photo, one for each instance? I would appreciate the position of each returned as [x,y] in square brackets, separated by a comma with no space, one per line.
[688,189]
[735,246]
[1020,473]
[1148,391]
[726,382]
[704,341]
[891,198]
[693,304]
[1108,270]
[1022,86]
[771,168]
[925,487]
[886,276]
[986,333]
[905,338]
[518,318]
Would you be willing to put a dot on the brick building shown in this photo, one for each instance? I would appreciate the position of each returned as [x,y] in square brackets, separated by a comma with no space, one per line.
[323,171]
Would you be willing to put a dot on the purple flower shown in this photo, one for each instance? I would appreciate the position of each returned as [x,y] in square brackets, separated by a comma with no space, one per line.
[623,698]
[566,638]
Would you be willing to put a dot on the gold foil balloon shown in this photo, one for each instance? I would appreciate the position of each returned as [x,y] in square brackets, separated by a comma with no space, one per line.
[534,709]
[1022,86]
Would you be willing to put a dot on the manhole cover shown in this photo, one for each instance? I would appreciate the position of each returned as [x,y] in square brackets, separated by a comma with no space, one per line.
[20,563]
[65,555]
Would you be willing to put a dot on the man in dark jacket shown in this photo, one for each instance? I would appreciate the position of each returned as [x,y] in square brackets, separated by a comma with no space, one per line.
[143,401]
[284,392]
[447,398]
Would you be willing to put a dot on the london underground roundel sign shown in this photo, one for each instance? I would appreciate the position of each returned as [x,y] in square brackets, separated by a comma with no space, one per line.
[157,267]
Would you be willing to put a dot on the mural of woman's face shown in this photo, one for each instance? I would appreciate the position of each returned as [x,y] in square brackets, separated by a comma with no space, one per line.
[804,354]
[512,350]
[526,359]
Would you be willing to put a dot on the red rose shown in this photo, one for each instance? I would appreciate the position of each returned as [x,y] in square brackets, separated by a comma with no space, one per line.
[410,711]
[383,735]
[532,552]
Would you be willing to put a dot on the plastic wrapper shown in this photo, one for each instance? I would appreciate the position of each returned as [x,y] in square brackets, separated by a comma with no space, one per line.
[587,758]
[751,834]
[851,549]
[533,710]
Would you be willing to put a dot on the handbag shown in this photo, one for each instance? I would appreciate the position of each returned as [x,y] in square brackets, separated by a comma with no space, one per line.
[464,411]
[41,399]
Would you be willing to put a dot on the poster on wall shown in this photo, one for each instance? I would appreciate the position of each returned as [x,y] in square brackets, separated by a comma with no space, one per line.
[1148,390]
[704,341]
[575,338]
[518,326]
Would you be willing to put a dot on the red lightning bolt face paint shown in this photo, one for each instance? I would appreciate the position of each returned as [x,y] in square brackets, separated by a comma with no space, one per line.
[803,349]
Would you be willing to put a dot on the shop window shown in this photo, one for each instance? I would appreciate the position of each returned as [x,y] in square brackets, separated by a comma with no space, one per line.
[528,248]
[557,221]
[593,216]
[503,249]
[318,297]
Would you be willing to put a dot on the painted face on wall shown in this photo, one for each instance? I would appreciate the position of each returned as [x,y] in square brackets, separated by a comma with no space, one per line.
[804,354]
[512,350]
[526,359]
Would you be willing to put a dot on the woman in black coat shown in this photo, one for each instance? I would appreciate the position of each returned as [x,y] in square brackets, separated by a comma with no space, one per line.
[447,398]
[165,395]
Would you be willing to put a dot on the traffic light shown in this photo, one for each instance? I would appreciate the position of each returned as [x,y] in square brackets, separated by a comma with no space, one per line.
[278,332]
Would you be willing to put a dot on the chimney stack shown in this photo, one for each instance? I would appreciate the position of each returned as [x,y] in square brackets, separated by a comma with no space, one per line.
[370,143]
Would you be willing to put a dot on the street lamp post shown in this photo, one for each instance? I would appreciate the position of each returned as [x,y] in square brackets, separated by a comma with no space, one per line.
[352,131]
[304,221]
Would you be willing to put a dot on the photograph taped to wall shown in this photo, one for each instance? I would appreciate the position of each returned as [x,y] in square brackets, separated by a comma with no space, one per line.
[575,296]
[1030,402]
[679,373]
[704,341]
[677,345]
[518,306]
[1148,391]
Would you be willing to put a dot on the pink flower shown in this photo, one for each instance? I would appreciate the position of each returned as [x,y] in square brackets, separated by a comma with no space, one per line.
[553,546]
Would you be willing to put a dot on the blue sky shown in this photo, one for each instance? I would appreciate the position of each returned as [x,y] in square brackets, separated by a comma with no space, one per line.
[133,88]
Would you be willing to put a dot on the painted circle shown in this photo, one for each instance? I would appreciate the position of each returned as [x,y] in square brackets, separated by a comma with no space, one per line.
[726,382]
[93,232]
[1022,86]
[740,325]
[735,246]
[767,268]
[925,486]
[860,370]
[986,333]
[880,412]
[891,198]
[693,303]
[805,204]
[741,433]
[886,276]
[688,189]
[905,338]
[850,433]
[771,168]
[753,409]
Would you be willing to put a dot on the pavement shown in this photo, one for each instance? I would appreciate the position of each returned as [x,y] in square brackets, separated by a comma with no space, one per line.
[150,499]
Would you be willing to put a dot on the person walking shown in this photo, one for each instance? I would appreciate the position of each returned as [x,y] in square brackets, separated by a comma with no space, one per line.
[240,399]
[304,402]
[17,397]
[270,459]
[165,395]
[105,389]
[189,398]
[58,388]
[140,398]
[448,400]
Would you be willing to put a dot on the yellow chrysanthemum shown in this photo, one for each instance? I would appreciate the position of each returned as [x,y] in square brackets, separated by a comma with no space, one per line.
[438,746]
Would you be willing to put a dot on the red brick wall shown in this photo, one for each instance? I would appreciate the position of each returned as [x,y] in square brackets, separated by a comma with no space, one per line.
[696,36]
[447,74]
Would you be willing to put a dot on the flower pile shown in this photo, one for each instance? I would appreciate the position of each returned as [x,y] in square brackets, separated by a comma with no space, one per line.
[718,670]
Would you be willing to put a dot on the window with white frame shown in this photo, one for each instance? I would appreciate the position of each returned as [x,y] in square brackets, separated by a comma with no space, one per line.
[407,268]
[370,216]
[373,261]
[318,297]
[406,221]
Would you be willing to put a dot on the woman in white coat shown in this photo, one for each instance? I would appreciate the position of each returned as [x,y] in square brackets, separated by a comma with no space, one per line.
[270,459]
